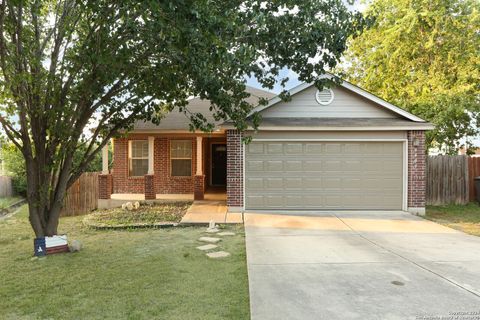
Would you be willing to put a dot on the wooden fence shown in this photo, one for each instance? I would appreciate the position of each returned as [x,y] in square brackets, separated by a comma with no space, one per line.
[450,179]
[6,188]
[473,171]
[82,196]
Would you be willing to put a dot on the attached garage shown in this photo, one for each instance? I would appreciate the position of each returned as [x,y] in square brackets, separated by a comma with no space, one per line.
[339,148]
[319,175]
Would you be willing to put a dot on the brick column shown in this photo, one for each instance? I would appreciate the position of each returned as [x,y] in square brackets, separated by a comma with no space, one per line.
[150,187]
[234,170]
[416,172]
[105,186]
[198,187]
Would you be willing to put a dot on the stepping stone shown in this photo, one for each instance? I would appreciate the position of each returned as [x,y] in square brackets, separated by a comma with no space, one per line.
[209,239]
[214,230]
[207,247]
[218,254]
[226,233]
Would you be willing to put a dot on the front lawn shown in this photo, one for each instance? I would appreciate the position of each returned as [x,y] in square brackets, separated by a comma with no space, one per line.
[465,218]
[8,201]
[139,274]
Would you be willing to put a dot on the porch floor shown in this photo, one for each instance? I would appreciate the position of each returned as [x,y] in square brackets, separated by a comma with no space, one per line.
[209,196]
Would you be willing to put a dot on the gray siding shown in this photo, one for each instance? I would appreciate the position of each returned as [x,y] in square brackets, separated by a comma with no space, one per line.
[330,135]
[344,105]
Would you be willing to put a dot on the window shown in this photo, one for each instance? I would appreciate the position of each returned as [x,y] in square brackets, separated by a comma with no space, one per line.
[138,162]
[181,158]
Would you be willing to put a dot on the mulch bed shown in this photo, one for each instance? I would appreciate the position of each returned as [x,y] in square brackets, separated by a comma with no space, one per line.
[157,215]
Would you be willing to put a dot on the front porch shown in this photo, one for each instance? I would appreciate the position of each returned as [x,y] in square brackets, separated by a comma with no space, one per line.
[165,166]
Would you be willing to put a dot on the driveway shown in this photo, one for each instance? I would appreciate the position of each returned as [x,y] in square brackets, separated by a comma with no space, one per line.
[380,265]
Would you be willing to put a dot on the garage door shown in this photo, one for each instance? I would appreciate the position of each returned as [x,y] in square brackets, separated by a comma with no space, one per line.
[324,175]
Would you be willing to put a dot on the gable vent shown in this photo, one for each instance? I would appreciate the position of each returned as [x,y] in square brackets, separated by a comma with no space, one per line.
[324,97]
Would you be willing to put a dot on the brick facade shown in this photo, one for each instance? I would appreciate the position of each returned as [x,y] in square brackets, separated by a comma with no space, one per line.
[199,187]
[416,170]
[163,182]
[150,193]
[104,186]
[234,169]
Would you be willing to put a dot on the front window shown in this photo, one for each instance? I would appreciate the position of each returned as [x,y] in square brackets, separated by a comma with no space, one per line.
[138,162]
[181,158]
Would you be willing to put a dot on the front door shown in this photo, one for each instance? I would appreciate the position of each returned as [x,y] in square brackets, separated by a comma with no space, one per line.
[219,164]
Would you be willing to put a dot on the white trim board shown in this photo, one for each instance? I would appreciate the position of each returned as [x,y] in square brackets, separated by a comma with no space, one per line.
[350,87]
[427,126]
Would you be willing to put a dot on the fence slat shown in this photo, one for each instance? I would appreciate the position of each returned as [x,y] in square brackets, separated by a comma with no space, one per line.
[448,180]
[6,188]
[473,171]
[82,196]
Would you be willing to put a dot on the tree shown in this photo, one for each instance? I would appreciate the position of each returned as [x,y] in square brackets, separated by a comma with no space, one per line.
[68,65]
[425,57]
[14,163]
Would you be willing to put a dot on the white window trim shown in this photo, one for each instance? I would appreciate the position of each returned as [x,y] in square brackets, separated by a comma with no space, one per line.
[181,158]
[130,157]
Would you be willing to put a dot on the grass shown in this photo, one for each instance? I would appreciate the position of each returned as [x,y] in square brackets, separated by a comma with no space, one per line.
[465,218]
[140,274]
[8,201]
[145,215]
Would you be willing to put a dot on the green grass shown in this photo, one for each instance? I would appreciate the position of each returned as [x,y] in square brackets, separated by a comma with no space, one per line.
[465,218]
[141,274]
[145,215]
[8,201]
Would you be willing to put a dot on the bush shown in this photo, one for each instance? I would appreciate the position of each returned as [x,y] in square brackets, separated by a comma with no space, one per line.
[15,166]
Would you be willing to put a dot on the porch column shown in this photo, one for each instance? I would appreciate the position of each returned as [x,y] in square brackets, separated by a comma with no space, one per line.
[151,147]
[105,159]
[105,180]
[149,178]
[199,179]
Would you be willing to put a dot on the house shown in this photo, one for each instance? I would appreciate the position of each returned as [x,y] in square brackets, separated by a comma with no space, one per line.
[336,149]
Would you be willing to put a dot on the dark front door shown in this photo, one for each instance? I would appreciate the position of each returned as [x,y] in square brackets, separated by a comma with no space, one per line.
[219,164]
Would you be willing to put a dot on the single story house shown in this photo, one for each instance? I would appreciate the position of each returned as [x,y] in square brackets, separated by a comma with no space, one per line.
[337,149]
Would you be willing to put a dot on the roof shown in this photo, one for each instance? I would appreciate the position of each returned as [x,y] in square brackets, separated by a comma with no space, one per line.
[350,87]
[332,124]
[176,120]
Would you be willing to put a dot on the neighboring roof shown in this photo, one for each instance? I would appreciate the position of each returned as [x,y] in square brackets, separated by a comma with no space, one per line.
[176,120]
[348,86]
[357,124]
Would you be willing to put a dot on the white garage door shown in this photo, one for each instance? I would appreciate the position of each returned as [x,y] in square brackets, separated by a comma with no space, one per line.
[324,175]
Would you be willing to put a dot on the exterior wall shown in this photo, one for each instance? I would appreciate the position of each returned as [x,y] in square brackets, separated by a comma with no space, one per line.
[416,172]
[329,135]
[234,170]
[163,181]
[345,104]
[105,186]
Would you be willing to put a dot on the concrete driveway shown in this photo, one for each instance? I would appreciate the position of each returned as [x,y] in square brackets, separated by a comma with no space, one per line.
[381,265]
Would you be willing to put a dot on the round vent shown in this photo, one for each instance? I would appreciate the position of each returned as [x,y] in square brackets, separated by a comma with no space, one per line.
[324,97]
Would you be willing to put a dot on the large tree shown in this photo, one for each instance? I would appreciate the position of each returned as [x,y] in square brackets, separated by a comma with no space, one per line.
[424,55]
[69,65]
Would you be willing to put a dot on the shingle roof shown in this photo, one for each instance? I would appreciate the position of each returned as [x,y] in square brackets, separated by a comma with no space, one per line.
[176,120]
